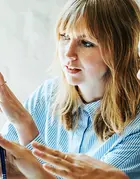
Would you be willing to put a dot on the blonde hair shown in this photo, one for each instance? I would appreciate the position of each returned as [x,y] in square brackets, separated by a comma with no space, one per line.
[116,26]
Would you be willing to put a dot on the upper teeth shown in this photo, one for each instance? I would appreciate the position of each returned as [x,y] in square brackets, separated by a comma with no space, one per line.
[71,68]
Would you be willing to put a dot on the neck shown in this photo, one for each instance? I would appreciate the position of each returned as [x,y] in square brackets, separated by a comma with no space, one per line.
[91,93]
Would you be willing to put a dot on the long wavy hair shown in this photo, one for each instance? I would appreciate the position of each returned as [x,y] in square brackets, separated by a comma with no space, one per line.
[116,26]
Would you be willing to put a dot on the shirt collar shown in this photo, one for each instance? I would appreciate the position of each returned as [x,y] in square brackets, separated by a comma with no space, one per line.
[90,108]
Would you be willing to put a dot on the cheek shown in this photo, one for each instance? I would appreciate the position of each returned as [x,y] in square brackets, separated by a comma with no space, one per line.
[94,65]
[96,72]
[60,54]
[93,62]
[97,67]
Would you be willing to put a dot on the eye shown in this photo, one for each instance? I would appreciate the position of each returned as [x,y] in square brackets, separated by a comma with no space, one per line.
[87,44]
[64,37]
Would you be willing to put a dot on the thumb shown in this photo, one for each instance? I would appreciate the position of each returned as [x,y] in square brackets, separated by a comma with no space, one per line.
[1,79]
[11,147]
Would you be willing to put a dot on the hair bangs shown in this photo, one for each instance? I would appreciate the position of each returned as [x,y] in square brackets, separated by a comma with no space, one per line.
[74,19]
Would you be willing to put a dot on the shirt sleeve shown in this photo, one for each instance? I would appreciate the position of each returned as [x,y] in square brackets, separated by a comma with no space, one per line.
[126,155]
[8,132]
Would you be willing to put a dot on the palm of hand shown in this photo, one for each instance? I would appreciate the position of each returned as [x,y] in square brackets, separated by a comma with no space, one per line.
[10,105]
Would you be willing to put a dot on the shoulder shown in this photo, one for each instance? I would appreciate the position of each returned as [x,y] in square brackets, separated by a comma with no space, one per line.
[48,87]
[134,126]
[41,96]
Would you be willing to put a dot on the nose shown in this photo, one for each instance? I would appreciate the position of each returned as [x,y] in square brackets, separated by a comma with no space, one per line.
[71,51]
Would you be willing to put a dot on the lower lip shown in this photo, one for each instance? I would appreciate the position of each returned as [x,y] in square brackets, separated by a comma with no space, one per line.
[73,71]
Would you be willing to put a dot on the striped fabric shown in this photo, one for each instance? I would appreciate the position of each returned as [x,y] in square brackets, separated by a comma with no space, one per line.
[121,151]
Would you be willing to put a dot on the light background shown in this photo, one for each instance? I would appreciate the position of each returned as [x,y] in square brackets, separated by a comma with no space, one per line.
[27,44]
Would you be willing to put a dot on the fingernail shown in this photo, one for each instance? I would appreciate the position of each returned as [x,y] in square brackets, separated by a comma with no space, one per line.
[35,143]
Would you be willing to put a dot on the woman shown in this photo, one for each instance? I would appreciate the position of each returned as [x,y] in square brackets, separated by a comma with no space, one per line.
[94,107]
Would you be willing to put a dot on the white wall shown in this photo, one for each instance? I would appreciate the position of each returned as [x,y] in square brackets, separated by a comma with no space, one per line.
[26,42]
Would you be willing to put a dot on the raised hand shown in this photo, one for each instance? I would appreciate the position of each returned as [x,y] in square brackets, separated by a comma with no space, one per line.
[10,105]
[16,114]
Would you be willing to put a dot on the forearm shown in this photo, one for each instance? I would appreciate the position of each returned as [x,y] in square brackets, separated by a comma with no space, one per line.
[13,171]
[26,131]
[115,174]
[43,175]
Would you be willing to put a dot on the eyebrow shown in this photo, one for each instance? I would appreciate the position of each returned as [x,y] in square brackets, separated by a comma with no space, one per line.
[82,36]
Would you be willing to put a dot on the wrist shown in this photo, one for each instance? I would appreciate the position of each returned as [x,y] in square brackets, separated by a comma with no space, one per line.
[47,175]
[43,175]
[26,131]
[24,119]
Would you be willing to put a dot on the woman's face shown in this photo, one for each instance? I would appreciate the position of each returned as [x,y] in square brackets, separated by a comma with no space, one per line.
[81,59]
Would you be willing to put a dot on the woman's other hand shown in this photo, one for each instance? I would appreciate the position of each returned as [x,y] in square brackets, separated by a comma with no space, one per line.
[75,166]
[25,161]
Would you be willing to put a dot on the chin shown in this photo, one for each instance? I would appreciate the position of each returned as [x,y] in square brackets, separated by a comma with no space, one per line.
[73,81]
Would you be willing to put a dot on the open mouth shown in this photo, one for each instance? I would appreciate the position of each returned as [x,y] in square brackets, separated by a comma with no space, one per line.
[72,70]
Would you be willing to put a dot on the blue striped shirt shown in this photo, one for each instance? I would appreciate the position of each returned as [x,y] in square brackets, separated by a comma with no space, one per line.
[121,151]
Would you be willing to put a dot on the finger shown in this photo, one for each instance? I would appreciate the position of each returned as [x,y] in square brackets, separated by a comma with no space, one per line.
[55,161]
[10,105]
[11,147]
[1,79]
[52,152]
[7,94]
[6,90]
[2,86]
[58,172]
[138,74]
[2,90]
